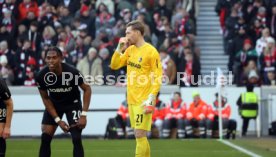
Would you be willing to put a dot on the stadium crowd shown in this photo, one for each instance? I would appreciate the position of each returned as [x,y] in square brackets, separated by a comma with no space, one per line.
[248,28]
[88,30]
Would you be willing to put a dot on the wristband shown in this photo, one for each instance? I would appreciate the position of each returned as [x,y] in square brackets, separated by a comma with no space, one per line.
[83,113]
[57,119]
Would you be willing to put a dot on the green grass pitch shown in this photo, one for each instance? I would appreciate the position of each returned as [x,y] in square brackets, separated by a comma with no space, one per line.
[159,148]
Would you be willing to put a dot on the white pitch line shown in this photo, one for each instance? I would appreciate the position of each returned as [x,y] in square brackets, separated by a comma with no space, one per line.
[239,148]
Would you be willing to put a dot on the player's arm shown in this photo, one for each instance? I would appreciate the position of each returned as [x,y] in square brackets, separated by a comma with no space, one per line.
[156,70]
[119,59]
[86,102]
[87,92]
[51,109]
[6,96]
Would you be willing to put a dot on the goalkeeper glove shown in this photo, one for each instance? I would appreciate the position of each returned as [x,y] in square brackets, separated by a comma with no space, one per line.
[148,105]
[121,44]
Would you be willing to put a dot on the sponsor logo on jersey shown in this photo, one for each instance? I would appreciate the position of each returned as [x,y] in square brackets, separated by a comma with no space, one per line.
[135,65]
[60,90]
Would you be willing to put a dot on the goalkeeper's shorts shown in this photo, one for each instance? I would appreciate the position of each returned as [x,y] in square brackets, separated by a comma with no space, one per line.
[138,119]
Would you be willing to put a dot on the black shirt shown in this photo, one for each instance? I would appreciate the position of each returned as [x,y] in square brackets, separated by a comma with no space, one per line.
[5,93]
[63,92]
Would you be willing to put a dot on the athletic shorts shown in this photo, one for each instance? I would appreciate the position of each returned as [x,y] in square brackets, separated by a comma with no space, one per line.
[3,114]
[138,119]
[72,116]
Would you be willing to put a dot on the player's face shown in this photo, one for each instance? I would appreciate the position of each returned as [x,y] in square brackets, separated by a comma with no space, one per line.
[132,35]
[53,60]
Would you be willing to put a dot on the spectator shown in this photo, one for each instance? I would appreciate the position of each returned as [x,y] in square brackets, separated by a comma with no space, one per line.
[251,66]
[30,80]
[6,72]
[72,5]
[47,18]
[80,51]
[11,56]
[34,37]
[9,21]
[12,6]
[238,41]
[168,66]
[87,19]
[253,78]
[175,113]
[91,65]
[261,42]
[228,125]
[104,21]
[191,67]
[242,58]
[105,56]
[158,115]
[108,3]
[29,19]
[69,42]
[271,77]
[272,22]
[268,58]
[25,7]
[64,16]
[196,117]
[256,31]
[48,37]
[122,120]
[162,10]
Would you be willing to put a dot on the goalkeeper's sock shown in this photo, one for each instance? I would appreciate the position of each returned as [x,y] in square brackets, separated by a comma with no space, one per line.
[2,147]
[148,149]
[141,147]
[45,147]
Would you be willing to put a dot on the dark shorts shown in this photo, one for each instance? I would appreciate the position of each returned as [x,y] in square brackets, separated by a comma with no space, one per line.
[3,114]
[72,116]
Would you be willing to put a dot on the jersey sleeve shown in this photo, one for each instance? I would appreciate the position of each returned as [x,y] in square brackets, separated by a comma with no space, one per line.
[80,77]
[4,90]
[119,60]
[156,68]
[40,83]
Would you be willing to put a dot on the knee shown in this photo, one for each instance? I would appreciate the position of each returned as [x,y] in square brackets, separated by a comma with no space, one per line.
[76,135]
[46,138]
[140,133]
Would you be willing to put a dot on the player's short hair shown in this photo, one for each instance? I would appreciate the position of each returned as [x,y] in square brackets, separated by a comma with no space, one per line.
[54,48]
[137,25]
[178,93]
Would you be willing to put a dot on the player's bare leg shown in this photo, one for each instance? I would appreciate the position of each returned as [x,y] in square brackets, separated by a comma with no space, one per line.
[142,144]
[48,132]
[2,141]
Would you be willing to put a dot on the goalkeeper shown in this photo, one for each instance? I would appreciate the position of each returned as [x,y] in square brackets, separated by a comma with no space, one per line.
[144,75]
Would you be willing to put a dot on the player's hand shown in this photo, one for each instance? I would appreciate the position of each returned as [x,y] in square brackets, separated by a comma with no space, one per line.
[82,122]
[6,133]
[148,105]
[122,45]
[65,127]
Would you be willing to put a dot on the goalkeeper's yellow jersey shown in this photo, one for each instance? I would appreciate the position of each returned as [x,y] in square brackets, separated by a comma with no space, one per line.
[144,71]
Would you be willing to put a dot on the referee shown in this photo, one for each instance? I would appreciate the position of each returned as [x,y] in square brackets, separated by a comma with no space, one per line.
[60,96]
[6,110]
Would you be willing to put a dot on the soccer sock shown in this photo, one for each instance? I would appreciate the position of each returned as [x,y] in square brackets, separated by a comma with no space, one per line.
[141,147]
[45,147]
[148,149]
[2,147]
[76,139]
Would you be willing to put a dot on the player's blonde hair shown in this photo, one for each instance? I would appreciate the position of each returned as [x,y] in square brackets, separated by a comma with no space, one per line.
[137,25]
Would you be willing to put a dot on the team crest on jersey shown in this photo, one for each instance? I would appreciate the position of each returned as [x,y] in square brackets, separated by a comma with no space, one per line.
[140,59]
